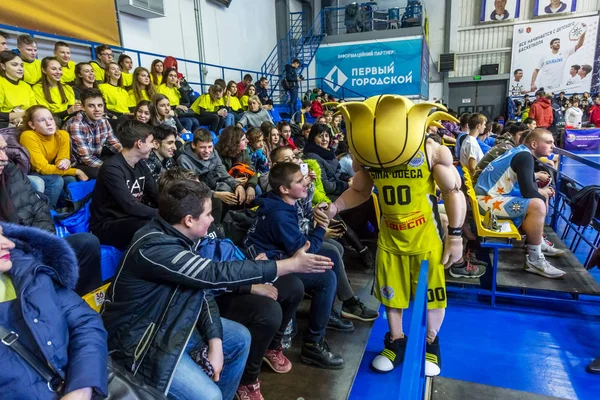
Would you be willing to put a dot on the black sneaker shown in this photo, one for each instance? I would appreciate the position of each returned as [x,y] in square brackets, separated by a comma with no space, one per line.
[356,309]
[367,258]
[433,358]
[594,367]
[466,270]
[319,354]
[337,323]
[391,355]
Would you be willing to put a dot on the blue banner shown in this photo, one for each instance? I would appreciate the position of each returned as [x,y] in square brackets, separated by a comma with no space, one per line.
[373,68]
[582,139]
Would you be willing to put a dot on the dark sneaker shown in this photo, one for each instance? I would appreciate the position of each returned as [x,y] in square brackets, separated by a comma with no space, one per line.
[466,270]
[367,258]
[319,354]
[391,355]
[356,309]
[594,367]
[249,392]
[433,358]
[337,323]
[474,260]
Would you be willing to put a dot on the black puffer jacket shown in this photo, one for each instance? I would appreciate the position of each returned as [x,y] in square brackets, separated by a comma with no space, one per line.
[334,181]
[157,297]
[31,210]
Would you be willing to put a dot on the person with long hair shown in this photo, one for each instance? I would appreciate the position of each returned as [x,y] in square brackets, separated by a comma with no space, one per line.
[232,148]
[249,92]
[156,72]
[232,102]
[143,111]
[164,115]
[142,87]
[52,94]
[126,64]
[116,98]
[255,116]
[171,87]
[16,96]
[85,78]
[50,152]
[272,138]
[212,103]
[285,130]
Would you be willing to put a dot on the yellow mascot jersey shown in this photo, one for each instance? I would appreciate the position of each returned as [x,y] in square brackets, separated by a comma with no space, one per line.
[410,221]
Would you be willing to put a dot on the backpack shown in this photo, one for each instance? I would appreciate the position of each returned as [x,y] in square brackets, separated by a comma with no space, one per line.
[219,250]
[79,199]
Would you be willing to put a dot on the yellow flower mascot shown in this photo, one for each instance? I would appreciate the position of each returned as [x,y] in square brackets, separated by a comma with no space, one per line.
[386,136]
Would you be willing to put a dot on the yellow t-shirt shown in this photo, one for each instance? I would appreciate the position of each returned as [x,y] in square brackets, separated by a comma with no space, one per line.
[133,101]
[235,104]
[33,71]
[46,151]
[13,96]
[116,98]
[244,102]
[172,94]
[206,103]
[58,106]
[98,70]
[127,79]
[68,72]
[7,290]
[158,80]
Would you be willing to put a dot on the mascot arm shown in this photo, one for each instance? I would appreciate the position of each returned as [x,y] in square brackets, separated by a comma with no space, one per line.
[447,178]
[355,195]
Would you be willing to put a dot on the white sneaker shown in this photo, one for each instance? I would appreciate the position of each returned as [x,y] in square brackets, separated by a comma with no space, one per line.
[542,267]
[551,251]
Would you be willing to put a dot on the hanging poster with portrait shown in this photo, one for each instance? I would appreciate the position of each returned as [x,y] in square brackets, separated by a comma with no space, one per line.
[499,10]
[550,7]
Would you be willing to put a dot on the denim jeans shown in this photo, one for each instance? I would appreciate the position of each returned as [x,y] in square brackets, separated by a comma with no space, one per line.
[37,183]
[322,286]
[293,99]
[54,185]
[189,123]
[229,120]
[191,383]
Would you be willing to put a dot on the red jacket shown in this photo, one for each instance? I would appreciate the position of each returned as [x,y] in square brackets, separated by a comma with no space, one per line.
[541,111]
[594,113]
[241,88]
[316,109]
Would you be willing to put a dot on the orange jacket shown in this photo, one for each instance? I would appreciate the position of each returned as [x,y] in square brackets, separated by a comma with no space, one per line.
[541,111]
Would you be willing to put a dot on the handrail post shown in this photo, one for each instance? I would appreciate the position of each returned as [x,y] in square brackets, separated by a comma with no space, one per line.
[557,199]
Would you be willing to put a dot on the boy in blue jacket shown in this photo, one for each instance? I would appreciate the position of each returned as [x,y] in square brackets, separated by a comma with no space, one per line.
[276,233]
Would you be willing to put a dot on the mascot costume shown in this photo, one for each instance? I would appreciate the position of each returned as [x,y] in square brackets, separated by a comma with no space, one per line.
[386,137]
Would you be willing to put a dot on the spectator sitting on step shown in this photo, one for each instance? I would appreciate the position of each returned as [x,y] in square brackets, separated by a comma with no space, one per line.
[507,188]
[156,72]
[16,96]
[20,204]
[104,56]
[126,64]
[54,95]
[243,85]
[301,138]
[255,116]
[142,87]
[285,130]
[50,152]
[27,50]
[245,97]
[92,138]
[161,157]
[126,195]
[262,91]
[85,78]
[62,53]
[179,100]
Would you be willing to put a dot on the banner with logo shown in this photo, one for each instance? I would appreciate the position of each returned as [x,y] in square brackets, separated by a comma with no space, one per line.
[499,10]
[554,55]
[582,139]
[551,7]
[373,68]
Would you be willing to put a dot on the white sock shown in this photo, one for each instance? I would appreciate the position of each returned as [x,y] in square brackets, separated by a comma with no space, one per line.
[534,251]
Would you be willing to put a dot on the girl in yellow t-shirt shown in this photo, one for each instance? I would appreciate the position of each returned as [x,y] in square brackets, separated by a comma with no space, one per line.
[50,151]
[250,91]
[85,78]
[52,94]
[126,64]
[115,97]
[156,71]
[142,87]
[232,102]
[16,96]
[178,99]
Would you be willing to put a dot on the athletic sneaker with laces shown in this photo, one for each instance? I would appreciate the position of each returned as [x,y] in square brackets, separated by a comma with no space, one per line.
[542,267]
[551,251]
[391,355]
[353,308]
[433,358]
[277,361]
[474,260]
[249,392]
[466,270]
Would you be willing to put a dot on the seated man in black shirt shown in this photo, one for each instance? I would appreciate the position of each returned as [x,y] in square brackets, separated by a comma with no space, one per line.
[125,195]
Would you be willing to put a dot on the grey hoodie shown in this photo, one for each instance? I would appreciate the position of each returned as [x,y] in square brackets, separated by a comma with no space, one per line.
[212,171]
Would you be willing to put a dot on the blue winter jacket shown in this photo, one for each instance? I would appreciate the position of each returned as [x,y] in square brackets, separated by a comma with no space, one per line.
[276,231]
[66,332]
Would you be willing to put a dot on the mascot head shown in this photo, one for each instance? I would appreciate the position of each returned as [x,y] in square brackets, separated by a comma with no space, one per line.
[386,131]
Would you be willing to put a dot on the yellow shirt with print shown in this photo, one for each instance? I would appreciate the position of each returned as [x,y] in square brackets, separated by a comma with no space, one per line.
[15,96]
[57,106]
[235,104]
[116,98]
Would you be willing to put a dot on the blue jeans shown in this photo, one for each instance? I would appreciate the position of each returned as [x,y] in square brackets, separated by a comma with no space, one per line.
[191,383]
[189,123]
[229,120]
[54,185]
[322,286]
[293,100]
[37,183]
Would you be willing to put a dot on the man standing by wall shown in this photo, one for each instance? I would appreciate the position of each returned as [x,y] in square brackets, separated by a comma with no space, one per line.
[291,83]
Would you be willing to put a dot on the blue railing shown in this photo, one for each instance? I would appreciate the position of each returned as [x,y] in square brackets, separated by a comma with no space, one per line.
[412,383]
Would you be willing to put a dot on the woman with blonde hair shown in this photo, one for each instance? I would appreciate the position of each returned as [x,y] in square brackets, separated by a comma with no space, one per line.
[255,116]
[142,87]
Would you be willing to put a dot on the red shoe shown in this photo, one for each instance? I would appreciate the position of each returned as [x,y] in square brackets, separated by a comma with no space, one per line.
[277,361]
[249,392]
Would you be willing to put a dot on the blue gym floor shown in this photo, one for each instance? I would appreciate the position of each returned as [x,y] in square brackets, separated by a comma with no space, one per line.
[536,349]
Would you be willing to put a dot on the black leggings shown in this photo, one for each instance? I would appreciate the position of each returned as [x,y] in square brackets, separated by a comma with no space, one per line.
[118,233]
[265,318]
[212,120]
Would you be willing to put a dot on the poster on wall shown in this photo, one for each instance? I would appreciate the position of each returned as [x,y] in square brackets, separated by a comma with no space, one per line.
[372,68]
[554,55]
[499,10]
[551,7]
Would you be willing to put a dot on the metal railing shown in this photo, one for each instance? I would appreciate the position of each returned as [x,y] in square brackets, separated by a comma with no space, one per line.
[321,83]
